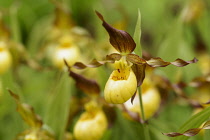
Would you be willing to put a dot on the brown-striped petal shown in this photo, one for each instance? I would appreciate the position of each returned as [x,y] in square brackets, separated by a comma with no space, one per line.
[139,71]
[88,86]
[159,62]
[93,64]
[135,59]
[189,132]
[119,39]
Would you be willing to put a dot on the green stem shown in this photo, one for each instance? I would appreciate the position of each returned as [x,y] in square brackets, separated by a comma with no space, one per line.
[14,22]
[146,128]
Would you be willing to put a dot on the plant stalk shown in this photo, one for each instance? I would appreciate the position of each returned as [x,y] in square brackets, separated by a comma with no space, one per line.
[146,128]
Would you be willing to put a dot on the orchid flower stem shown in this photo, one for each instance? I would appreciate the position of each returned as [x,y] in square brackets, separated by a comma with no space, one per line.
[146,128]
[14,22]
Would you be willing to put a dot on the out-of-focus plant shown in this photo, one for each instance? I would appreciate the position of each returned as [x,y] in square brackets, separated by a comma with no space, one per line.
[37,130]
[92,123]
[65,50]
[64,39]
[192,11]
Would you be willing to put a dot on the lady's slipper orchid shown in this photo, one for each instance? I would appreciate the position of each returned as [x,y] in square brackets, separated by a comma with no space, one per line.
[121,84]
[65,50]
[91,124]
[119,91]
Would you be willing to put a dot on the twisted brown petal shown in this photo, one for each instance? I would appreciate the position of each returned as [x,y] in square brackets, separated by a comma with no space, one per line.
[190,132]
[180,63]
[135,59]
[119,39]
[93,64]
[139,71]
[159,62]
[114,56]
[206,125]
[88,86]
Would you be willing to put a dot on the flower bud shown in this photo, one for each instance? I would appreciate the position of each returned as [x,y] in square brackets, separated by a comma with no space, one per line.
[91,124]
[65,50]
[151,101]
[121,84]
[5,58]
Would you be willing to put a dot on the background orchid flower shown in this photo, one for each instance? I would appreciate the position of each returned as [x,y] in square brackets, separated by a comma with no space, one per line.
[93,122]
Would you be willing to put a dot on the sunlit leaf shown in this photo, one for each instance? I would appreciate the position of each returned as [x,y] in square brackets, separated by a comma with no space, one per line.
[119,39]
[137,35]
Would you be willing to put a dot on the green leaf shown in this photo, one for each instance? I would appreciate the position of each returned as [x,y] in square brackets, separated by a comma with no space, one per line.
[194,122]
[59,100]
[124,129]
[137,35]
